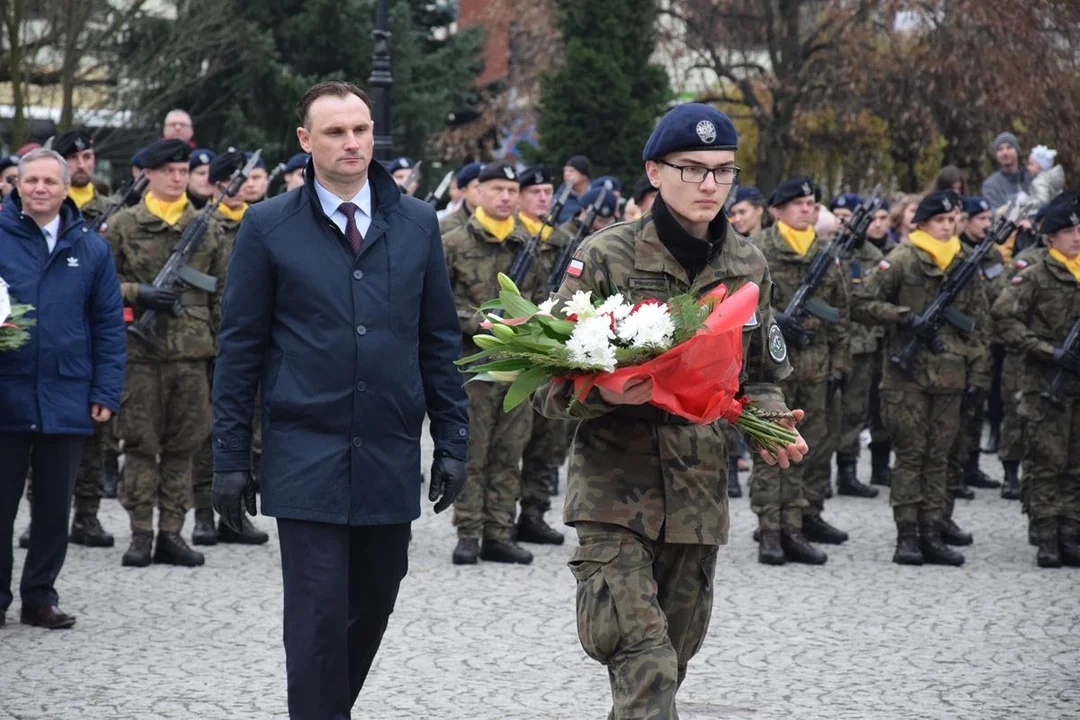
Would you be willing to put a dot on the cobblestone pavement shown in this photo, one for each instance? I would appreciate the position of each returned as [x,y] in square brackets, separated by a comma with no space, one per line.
[857,638]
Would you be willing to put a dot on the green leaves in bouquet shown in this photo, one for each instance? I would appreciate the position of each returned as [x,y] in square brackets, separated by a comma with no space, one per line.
[528,382]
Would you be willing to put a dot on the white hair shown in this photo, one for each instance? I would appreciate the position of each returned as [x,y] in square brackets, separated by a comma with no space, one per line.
[43,154]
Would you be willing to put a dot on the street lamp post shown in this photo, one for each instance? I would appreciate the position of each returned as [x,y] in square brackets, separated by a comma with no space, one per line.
[381,82]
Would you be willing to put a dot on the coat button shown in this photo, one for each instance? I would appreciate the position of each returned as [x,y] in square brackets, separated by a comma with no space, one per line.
[234,444]
[358,274]
[361,330]
[33,426]
[361,386]
[462,432]
[357,442]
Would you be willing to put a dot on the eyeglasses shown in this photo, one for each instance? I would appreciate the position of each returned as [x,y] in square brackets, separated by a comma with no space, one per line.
[697,174]
[178,123]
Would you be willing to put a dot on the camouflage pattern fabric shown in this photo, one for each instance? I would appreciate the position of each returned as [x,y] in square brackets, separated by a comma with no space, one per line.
[90,477]
[879,434]
[545,453]
[1011,445]
[95,208]
[968,437]
[781,497]
[854,405]
[454,220]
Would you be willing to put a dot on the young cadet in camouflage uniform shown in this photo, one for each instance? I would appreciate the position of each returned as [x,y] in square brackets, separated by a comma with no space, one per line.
[791,501]
[877,235]
[923,411]
[469,185]
[166,406]
[475,255]
[1034,315]
[646,490]
[230,212]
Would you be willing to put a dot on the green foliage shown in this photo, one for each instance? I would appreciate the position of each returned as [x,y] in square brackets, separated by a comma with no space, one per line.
[15,331]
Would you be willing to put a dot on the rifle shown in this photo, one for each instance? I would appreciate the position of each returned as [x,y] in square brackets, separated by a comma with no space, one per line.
[940,311]
[803,302]
[567,253]
[436,196]
[135,189]
[176,267]
[278,169]
[412,176]
[1052,394]
[523,261]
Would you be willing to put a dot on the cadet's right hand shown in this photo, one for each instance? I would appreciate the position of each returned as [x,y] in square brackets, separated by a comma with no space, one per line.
[638,393]
[229,494]
[794,333]
[1067,360]
[156,298]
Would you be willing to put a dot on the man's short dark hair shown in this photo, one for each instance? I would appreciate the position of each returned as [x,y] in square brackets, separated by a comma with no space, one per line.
[337,88]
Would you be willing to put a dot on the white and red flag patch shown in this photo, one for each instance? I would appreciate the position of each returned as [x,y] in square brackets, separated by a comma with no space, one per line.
[575,268]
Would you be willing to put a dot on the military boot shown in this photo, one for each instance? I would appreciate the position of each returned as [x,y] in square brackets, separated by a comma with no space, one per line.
[907,545]
[1011,489]
[1049,555]
[1069,542]
[934,550]
[847,480]
[534,529]
[170,549]
[467,551]
[733,489]
[204,532]
[24,539]
[952,534]
[112,474]
[817,530]
[86,530]
[974,477]
[248,535]
[138,553]
[962,492]
[504,551]
[1033,534]
[880,472]
[797,549]
[771,552]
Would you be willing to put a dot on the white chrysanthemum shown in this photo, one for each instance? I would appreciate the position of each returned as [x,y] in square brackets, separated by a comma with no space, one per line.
[648,326]
[590,343]
[615,305]
[548,306]
[580,305]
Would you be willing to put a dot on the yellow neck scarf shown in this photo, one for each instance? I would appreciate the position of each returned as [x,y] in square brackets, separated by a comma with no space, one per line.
[235,215]
[1072,266]
[799,240]
[533,226]
[501,229]
[170,212]
[81,195]
[942,252]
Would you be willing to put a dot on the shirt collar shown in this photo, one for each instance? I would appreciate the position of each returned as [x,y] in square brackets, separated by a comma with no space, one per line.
[330,202]
[52,229]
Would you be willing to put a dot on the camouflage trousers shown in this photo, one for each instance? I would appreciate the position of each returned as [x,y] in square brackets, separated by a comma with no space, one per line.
[643,609]
[90,477]
[1011,442]
[164,420]
[968,439]
[1052,459]
[923,427]
[855,406]
[486,506]
[545,453]
[780,496]
[879,434]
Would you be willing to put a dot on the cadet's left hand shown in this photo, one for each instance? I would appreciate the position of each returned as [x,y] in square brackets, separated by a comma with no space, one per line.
[447,481]
[792,453]
[100,413]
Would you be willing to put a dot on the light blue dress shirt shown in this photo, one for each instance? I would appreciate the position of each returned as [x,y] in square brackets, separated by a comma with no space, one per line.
[330,203]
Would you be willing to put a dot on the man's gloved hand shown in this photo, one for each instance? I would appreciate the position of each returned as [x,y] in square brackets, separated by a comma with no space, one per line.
[1067,360]
[229,494]
[447,480]
[156,298]
[794,333]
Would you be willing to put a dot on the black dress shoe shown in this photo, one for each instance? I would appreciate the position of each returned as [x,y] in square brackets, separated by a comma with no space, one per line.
[817,530]
[467,551]
[86,530]
[771,551]
[847,482]
[504,551]
[24,539]
[48,617]
[204,532]
[170,549]
[138,553]
[907,545]
[963,493]
[798,550]
[248,535]
[531,529]
[953,534]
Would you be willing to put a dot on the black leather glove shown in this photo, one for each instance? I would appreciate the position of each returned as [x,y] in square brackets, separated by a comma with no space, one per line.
[230,493]
[1067,360]
[156,298]
[794,333]
[447,480]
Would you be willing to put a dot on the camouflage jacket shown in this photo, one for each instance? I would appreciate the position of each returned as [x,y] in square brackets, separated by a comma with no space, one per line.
[474,259]
[1033,315]
[857,264]
[908,280]
[141,244]
[994,269]
[829,356]
[227,231]
[653,477]
[455,220]
[95,208]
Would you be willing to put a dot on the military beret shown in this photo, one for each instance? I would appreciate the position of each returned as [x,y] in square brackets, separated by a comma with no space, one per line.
[936,203]
[71,142]
[259,164]
[296,162]
[138,157]
[849,201]
[975,205]
[401,163]
[160,152]
[498,171]
[1062,212]
[615,184]
[200,157]
[748,193]
[536,175]
[642,188]
[581,164]
[692,126]
[225,164]
[792,188]
[7,161]
[468,173]
[607,208]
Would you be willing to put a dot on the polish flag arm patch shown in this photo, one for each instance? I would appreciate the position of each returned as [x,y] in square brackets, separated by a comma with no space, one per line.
[1017,280]
[575,268]
[884,265]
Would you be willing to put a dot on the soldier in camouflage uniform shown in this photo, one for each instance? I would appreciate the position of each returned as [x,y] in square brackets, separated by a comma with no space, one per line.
[793,499]
[880,442]
[470,190]
[646,490]
[166,406]
[1034,315]
[475,254]
[923,411]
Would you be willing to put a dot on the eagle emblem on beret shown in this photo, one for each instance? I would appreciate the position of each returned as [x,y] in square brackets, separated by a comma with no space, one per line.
[984,205]
[841,202]
[79,144]
[204,158]
[806,189]
[1074,219]
[706,131]
[508,172]
[946,204]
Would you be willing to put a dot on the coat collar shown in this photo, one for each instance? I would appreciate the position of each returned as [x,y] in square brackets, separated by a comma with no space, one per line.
[385,196]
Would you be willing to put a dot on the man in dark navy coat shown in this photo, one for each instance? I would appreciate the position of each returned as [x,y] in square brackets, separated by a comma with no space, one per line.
[338,304]
[66,378]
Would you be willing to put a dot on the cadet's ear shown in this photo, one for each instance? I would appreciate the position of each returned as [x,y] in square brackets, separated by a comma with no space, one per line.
[304,138]
[652,171]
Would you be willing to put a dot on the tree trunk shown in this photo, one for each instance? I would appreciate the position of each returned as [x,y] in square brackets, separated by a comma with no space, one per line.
[75,14]
[13,20]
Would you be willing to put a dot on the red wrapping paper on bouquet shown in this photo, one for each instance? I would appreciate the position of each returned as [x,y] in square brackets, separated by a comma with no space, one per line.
[698,379]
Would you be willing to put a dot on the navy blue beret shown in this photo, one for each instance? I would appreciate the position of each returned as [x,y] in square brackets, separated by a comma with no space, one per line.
[936,203]
[1062,212]
[498,170]
[613,181]
[161,152]
[468,173]
[607,208]
[200,157]
[7,161]
[692,126]
[138,157]
[536,175]
[792,188]
[846,200]
[975,205]
[642,188]
[401,163]
[296,162]
[748,193]
[225,164]
[73,141]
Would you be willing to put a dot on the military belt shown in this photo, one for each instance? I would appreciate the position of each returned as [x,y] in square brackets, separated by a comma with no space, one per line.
[649,413]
